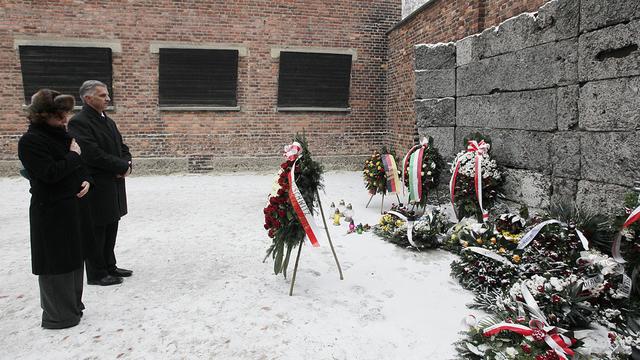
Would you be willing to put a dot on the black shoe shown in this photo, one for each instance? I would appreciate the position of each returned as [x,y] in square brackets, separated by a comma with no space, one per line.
[106,281]
[120,272]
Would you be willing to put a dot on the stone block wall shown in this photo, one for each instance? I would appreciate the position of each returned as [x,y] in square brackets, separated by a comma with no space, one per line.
[558,91]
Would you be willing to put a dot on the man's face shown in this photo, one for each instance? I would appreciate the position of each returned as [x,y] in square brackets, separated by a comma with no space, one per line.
[99,99]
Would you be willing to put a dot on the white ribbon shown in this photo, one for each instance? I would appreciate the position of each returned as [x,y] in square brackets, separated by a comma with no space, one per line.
[409,226]
[490,254]
[528,237]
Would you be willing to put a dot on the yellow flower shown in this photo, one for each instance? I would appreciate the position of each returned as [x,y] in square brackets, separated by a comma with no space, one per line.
[454,237]
[479,241]
[399,223]
[502,250]
[516,258]
[494,240]
[465,244]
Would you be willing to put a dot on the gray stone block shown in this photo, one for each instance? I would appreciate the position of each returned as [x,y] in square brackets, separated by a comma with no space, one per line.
[541,66]
[600,198]
[443,139]
[468,49]
[435,56]
[436,112]
[610,105]
[610,157]
[610,52]
[563,190]
[595,14]
[527,187]
[526,110]
[566,154]
[160,166]
[10,168]
[520,149]
[556,20]
[567,107]
[435,83]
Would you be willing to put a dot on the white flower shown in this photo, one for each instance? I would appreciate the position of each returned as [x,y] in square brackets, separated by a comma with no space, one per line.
[511,352]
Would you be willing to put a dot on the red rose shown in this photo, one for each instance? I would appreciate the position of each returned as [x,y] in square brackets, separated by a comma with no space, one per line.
[526,348]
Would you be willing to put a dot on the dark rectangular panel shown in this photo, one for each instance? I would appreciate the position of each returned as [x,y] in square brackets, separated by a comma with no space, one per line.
[314,80]
[198,77]
[63,68]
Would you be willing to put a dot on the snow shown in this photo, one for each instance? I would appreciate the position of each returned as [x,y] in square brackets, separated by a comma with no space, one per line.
[200,289]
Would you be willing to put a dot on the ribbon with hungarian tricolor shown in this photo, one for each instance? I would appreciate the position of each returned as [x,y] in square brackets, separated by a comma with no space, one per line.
[391,173]
[479,149]
[293,152]
[538,329]
[615,248]
[412,163]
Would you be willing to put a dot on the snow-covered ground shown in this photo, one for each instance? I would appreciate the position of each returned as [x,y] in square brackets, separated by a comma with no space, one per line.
[201,290]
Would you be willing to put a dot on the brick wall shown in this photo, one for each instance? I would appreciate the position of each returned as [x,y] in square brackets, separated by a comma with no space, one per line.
[437,21]
[258,129]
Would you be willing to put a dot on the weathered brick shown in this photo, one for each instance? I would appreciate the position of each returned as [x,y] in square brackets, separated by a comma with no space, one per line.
[595,14]
[435,56]
[527,187]
[610,157]
[435,83]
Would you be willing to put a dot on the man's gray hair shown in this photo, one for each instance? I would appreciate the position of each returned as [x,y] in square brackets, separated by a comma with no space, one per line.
[89,87]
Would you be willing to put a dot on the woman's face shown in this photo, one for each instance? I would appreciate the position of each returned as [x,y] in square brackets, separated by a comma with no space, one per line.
[58,120]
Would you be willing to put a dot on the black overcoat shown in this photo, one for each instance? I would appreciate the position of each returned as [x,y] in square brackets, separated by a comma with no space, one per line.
[106,157]
[59,221]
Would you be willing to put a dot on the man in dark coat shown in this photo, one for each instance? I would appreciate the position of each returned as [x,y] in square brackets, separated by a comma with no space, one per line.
[108,161]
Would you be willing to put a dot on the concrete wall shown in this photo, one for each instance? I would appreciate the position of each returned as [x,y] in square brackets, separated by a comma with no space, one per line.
[558,91]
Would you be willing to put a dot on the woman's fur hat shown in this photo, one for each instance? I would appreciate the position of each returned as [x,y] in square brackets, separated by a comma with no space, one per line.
[51,102]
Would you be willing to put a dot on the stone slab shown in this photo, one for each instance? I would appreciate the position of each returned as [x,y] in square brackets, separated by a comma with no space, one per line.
[525,110]
[600,197]
[435,83]
[527,187]
[610,157]
[546,65]
[610,52]
[567,107]
[610,105]
[521,149]
[435,56]
[595,14]
[566,154]
[443,139]
[10,168]
[563,190]
[556,20]
[160,166]
[435,112]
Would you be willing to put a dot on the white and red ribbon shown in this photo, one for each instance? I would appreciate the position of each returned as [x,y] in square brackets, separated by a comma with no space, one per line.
[537,327]
[297,201]
[479,149]
[615,248]
[529,236]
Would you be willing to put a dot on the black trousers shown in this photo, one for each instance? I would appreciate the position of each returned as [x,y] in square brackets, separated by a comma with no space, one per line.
[61,299]
[101,258]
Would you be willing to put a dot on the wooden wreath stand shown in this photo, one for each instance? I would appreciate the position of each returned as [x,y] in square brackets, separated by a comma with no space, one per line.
[295,268]
[382,202]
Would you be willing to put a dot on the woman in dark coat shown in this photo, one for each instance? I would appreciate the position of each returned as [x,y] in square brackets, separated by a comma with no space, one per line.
[58,212]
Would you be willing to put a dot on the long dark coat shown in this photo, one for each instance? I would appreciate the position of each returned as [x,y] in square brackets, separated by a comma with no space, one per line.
[106,157]
[59,220]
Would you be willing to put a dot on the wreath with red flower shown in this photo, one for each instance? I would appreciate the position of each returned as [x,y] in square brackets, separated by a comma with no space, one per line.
[280,219]
[373,172]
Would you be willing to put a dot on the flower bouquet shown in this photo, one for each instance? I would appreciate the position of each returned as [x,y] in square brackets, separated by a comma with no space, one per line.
[475,179]
[376,172]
